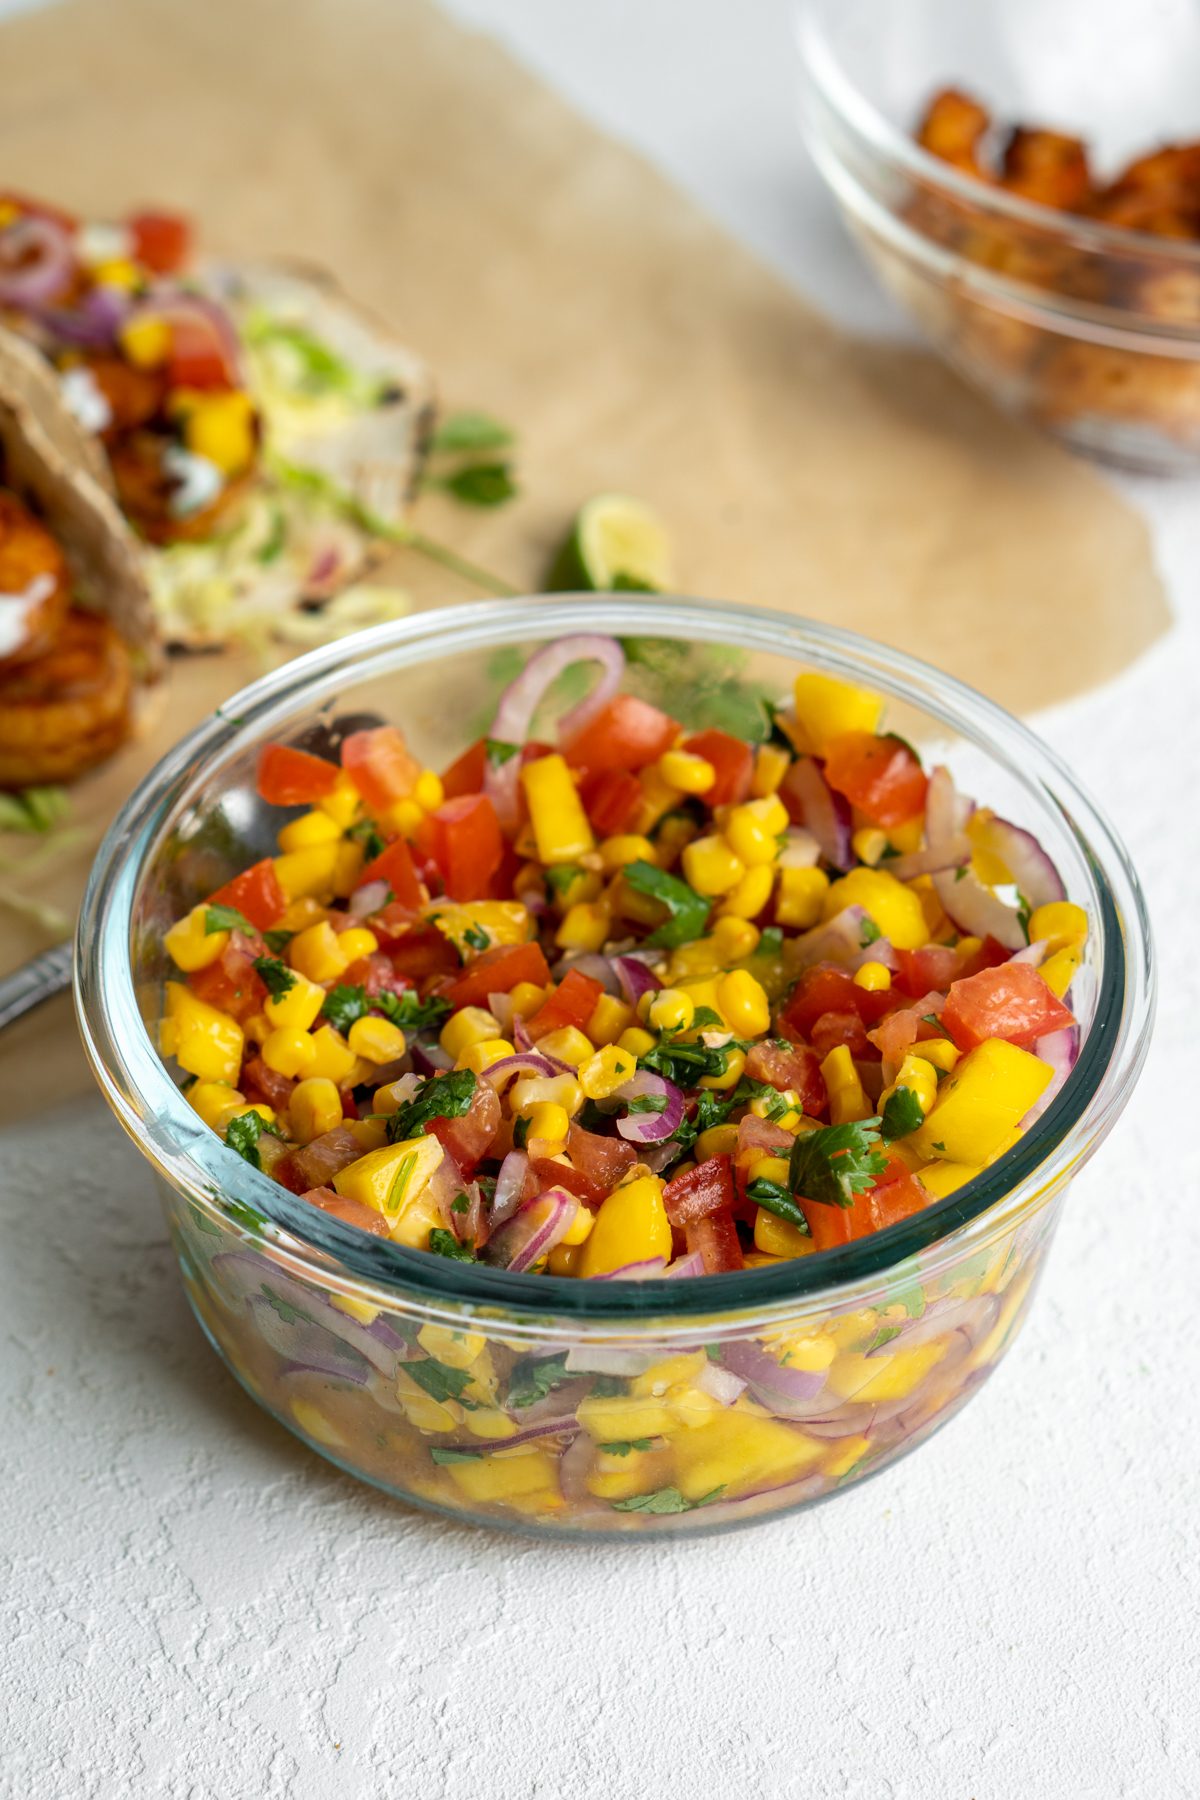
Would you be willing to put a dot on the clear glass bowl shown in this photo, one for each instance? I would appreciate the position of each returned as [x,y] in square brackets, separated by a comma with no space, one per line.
[1089,330]
[488,1396]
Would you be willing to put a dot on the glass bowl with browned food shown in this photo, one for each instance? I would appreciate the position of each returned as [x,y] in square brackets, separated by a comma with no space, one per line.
[612,1081]
[1026,181]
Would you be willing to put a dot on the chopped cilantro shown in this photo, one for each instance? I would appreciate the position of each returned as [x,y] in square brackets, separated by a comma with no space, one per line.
[461,1203]
[344,1006]
[278,978]
[901,1114]
[688,910]
[776,1199]
[960,874]
[623,1447]
[242,1134]
[520,1134]
[476,938]
[439,1380]
[648,1103]
[1024,913]
[836,1164]
[291,1315]
[464,431]
[770,943]
[883,1336]
[368,834]
[606,1387]
[228,918]
[440,1455]
[444,1243]
[940,1147]
[531,1381]
[665,1500]
[399,1187]
[439,1097]
[499,751]
[775,732]
[409,1011]
[869,933]
[932,1019]
[705,1019]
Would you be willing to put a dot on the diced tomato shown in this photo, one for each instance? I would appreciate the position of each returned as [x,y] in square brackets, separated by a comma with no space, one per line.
[395,866]
[760,1137]
[350,1212]
[264,1086]
[288,777]
[933,966]
[797,1067]
[255,893]
[699,1191]
[896,1033]
[572,1003]
[198,356]
[161,240]
[598,1161]
[379,765]
[314,1165]
[835,1029]
[828,1226]
[498,971]
[468,1139]
[879,775]
[626,734]
[1010,1002]
[612,800]
[463,837]
[421,953]
[989,955]
[715,1237]
[502,885]
[232,984]
[465,774]
[375,975]
[731,758]
[897,1195]
[826,989]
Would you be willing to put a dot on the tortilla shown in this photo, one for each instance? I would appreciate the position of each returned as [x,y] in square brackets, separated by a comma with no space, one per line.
[50,462]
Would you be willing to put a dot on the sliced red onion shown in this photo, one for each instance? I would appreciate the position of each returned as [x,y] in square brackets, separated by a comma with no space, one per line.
[369,899]
[939,1319]
[650,1127]
[172,305]
[685,1266]
[780,1388]
[330,1370]
[37,260]
[636,978]
[557,1427]
[951,854]
[532,1231]
[246,1275]
[1034,954]
[1061,1050]
[826,813]
[841,940]
[94,323]
[591,963]
[597,1359]
[520,1034]
[648,1270]
[722,1384]
[521,699]
[574,1467]
[969,905]
[1027,862]
[946,810]
[528,1062]
[429,1059]
[510,1183]
[656,1157]
[800,850]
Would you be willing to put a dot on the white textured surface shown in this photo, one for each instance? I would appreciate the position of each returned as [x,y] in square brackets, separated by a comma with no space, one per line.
[195,1607]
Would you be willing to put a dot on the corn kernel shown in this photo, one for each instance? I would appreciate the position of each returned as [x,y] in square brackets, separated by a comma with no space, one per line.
[428,791]
[658,797]
[568,1045]
[288,1051]
[481,1055]
[376,1040]
[610,1018]
[875,977]
[847,1096]
[906,838]
[894,908]
[940,1052]
[314,1108]
[216,1103]
[342,803]
[691,961]
[146,341]
[718,1140]
[734,939]
[1060,925]
[801,897]
[404,816]
[191,947]
[300,1007]
[743,1004]
[771,764]
[470,1025]
[586,926]
[302,913]
[766,1108]
[308,872]
[556,813]
[711,867]
[204,1041]
[616,852]
[747,899]
[637,1041]
[532,1090]
[669,1010]
[526,997]
[748,836]
[735,1069]
[309,829]
[334,1057]
[606,1071]
[690,774]
[1058,971]
[564,1258]
[357,942]
[348,863]
[580,1228]
[919,1077]
[548,1121]
[676,830]
[317,952]
[869,844]
[827,708]
[769,1168]
[779,1237]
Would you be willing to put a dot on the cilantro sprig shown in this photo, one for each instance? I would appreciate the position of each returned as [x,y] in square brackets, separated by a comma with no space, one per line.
[440,1097]
[228,918]
[837,1163]
[439,1380]
[444,1243]
[242,1134]
[277,978]
[344,1004]
[532,1379]
[666,1500]
[688,911]
[901,1114]
[775,1198]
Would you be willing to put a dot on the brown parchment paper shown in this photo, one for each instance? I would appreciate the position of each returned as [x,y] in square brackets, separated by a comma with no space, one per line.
[554,279]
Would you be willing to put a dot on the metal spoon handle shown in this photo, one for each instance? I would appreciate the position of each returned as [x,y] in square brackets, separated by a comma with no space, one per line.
[37,980]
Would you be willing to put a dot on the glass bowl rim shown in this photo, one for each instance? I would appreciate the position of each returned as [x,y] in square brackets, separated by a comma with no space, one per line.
[851,106]
[139,1089]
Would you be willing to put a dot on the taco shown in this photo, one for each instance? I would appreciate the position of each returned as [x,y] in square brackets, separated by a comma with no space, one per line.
[263,436]
[77,628]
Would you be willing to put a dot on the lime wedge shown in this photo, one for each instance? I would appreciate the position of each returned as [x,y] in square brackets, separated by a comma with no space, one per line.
[615,542]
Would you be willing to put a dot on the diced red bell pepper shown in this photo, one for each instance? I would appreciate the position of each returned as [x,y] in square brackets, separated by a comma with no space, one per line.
[264,1086]
[828,1226]
[989,955]
[497,971]
[288,777]
[612,800]
[350,1212]
[395,866]
[699,1191]
[469,1138]
[379,765]
[572,1003]
[598,1162]
[797,1068]
[626,734]
[465,774]
[255,893]
[1011,1002]
[464,839]
[879,775]
[826,989]
[421,953]
[161,240]
[731,758]
[715,1236]
[897,1195]
[232,984]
